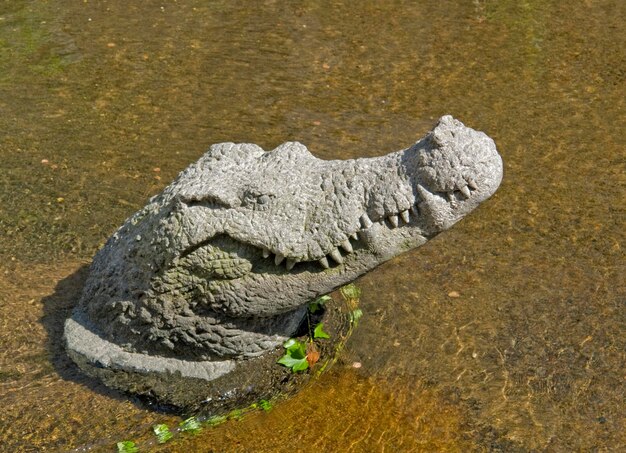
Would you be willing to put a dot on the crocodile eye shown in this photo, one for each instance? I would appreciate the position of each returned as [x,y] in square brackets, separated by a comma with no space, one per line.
[263,199]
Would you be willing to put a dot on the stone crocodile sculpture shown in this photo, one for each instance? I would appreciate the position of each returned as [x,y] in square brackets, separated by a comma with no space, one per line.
[221,265]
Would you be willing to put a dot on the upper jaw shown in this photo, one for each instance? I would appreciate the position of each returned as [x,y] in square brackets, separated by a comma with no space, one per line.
[450,173]
[444,176]
[429,214]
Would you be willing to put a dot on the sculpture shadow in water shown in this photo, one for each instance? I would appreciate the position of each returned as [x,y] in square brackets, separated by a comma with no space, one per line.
[57,308]
[217,270]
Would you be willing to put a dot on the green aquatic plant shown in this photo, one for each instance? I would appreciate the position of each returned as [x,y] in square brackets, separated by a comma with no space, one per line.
[235,414]
[127,446]
[299,355]
[352,295]
[162,432]
[355,315]
[193,425]
[215,420]
[190,425]
[262,404]
[350,292]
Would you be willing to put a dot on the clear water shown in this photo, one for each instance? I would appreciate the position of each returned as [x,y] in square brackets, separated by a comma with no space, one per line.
[102,103]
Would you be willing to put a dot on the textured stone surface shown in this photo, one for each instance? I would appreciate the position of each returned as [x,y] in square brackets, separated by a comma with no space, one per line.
[220,266]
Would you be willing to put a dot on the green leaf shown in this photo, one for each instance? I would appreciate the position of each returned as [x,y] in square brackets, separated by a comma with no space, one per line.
[293,363]
[295,355]
[265,405]
[191,425]
[162,433]
[319,331]
[127,446]
[317,304]
[301,365]
[297,349]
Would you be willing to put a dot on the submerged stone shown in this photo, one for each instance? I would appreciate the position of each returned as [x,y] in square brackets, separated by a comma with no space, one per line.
[204,284]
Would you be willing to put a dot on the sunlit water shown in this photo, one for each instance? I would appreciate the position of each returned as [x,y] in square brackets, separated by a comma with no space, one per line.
[102,103]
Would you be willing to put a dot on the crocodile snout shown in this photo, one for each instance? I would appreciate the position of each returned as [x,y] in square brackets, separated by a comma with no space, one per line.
[457,169]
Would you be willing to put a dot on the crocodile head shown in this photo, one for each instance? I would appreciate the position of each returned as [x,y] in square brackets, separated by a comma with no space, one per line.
[245,234]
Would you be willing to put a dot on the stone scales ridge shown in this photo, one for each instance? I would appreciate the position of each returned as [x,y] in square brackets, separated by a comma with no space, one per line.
[220,266]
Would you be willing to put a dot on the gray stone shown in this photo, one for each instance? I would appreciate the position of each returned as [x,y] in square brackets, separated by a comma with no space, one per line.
[220,266]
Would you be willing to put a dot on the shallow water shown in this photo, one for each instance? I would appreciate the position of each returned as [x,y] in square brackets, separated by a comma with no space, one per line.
[103,103]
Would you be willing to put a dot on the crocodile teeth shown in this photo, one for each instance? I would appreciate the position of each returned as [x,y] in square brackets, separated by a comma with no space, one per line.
[433,207]
[278,259]
[365,221]
[405,216]
[472,184]
[290,264]
[266,253]
[324,263]
[334,254]
[394,220]
[347,246]
[465,191]
[354,236]
[450,196]
[414,209]
[424,194]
